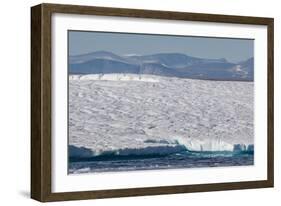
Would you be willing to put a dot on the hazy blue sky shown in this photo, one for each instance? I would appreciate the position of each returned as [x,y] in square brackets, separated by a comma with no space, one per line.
[234,50]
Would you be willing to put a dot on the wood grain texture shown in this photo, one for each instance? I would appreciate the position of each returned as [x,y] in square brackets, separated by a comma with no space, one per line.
[36,58]
[40,102]
[41,160]
[270,102]
[156,14]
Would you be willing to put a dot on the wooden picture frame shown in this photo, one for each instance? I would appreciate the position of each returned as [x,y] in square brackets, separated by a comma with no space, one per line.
[41,101]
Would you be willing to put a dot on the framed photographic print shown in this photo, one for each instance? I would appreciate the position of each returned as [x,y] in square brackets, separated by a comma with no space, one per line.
[130,102]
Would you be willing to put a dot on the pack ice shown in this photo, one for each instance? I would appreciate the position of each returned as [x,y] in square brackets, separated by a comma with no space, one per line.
[130,114]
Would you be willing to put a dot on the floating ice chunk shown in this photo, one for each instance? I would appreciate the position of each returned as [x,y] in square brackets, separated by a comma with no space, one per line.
[80,170]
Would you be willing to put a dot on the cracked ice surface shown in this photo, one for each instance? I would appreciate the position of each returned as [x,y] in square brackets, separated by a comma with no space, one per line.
[107,114]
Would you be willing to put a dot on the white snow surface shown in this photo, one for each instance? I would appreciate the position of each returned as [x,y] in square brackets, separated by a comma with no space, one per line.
[114,77]
[146,114]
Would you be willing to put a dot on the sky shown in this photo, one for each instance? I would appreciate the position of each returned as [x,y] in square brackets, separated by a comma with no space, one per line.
[234,50]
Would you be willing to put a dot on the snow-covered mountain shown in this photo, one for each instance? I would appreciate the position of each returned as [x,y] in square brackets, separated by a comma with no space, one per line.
[95,55]
[163,64]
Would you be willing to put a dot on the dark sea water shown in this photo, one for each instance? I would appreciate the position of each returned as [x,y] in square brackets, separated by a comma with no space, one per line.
[151,162]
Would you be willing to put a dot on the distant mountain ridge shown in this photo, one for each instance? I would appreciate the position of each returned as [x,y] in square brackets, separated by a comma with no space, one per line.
[163,64]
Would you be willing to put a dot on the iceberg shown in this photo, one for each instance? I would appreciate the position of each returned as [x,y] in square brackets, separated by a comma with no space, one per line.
[131,114]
